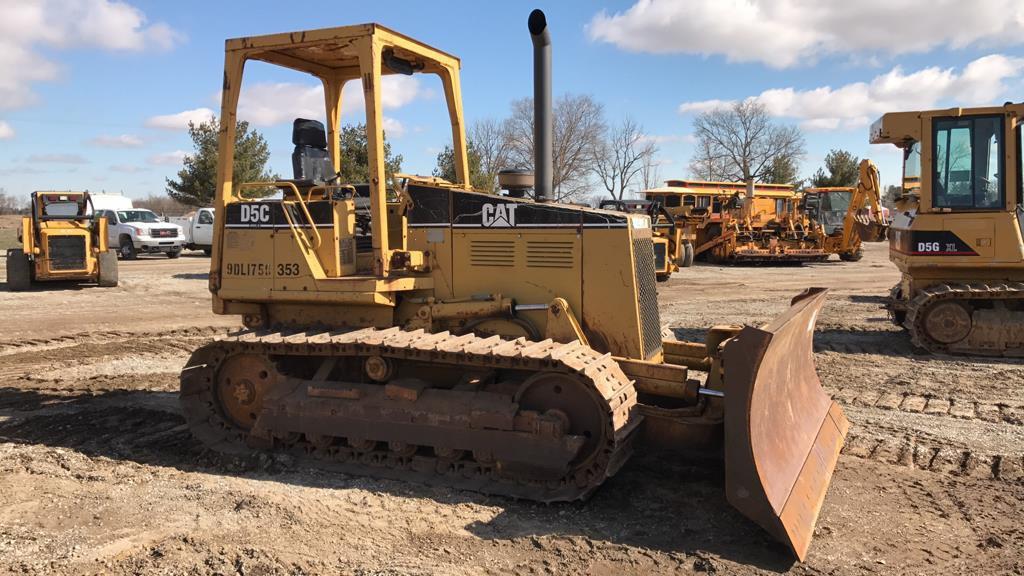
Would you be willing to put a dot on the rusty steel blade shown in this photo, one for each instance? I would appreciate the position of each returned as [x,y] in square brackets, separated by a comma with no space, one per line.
[782,432]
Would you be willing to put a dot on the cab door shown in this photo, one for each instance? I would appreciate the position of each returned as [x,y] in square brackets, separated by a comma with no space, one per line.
[202,228]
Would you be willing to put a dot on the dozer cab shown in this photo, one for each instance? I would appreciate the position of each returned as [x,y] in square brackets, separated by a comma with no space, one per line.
[956,234]
[61,241]
[844,217]
[483,342]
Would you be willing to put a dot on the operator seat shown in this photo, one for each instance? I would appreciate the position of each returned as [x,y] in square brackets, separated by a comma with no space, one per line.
[311,163]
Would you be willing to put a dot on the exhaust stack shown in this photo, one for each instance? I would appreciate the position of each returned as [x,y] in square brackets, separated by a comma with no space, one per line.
[542,131]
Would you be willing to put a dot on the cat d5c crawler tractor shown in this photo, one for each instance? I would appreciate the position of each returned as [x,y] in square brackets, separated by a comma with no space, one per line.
[956,233]
[61,241]
[484,342]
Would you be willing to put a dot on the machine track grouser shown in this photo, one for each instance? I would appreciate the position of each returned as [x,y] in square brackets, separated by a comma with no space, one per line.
[419,330]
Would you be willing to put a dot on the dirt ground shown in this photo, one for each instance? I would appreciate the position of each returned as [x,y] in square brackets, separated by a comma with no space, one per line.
[98,473]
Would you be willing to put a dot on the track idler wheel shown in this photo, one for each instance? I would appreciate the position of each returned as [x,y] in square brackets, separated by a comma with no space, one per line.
[947,322]
[240,387]
[568,399]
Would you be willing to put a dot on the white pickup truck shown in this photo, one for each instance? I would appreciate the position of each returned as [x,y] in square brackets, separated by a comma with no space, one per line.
[198,228]
[134,231]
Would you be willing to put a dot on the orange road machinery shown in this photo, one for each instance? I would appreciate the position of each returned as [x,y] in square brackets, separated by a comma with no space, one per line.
[672,248]
[61,241]
[483,342]
[843,217]
[723,226]
[956,231]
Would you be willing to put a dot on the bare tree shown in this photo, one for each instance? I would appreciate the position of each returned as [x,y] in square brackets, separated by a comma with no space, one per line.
[743,139]
[490,140]
[707,164]
[10,204]
[578,129]
[650,173]
[163,205]
[619,158]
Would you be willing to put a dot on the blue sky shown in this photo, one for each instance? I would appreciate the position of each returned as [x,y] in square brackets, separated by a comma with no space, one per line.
[93,92]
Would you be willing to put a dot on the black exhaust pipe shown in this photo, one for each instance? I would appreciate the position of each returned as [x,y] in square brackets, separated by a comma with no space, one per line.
[542,131]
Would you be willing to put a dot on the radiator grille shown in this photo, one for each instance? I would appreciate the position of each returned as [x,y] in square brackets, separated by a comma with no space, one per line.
[66,252]
[498,253]
[659,256]
[549,254]
[647,296]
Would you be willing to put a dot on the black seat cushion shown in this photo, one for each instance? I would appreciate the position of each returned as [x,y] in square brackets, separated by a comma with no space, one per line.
[310,160]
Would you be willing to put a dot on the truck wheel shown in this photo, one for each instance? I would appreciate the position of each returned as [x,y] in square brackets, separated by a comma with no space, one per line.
[108,269]
[127,249]
[687,255]
[19,271]
[172,254]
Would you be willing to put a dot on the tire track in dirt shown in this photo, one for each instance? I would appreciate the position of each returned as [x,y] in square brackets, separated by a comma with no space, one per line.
[962,408]
[37,345]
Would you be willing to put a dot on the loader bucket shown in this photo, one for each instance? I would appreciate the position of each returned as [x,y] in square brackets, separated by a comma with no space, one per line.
[870,231]
[782,432]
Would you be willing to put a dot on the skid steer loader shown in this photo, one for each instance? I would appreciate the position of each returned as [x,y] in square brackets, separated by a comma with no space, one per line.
[957,230]
[61,241]
[484,342]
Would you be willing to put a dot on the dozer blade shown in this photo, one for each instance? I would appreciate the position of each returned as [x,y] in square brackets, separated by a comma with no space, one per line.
[782,432]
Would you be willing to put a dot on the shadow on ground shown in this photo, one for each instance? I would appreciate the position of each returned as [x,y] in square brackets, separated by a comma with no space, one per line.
[658,501]
[192,276]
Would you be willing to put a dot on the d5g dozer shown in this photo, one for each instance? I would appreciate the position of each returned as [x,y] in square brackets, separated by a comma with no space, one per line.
[480,341]
[61,241]
[957,230]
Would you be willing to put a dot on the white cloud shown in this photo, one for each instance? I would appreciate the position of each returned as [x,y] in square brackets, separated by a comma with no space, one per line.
[29,26]
[982,81]
[121,141]
[127,168]
[393,128]
[6,132]
[784,33]
[180,120]
[271,103]
[167,158]
[57,159]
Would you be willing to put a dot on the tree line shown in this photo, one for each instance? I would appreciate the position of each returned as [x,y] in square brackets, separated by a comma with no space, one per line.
[734,143]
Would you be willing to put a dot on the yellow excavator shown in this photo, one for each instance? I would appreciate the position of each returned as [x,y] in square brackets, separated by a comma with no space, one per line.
[843,217]
[956,234]
[423,331]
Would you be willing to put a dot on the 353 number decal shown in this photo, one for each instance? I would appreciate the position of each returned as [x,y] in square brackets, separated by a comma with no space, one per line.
[288,269]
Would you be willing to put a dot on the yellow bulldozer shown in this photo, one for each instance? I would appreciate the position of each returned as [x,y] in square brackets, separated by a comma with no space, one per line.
[956,234]
[61,241]
[422,331]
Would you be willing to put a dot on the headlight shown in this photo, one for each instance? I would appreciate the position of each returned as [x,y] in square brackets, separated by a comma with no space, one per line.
[138,231]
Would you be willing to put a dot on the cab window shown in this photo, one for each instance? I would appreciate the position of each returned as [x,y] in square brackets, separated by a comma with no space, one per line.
[689,200]
[968,171]
[671,201]
[703,202]
[205,217]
